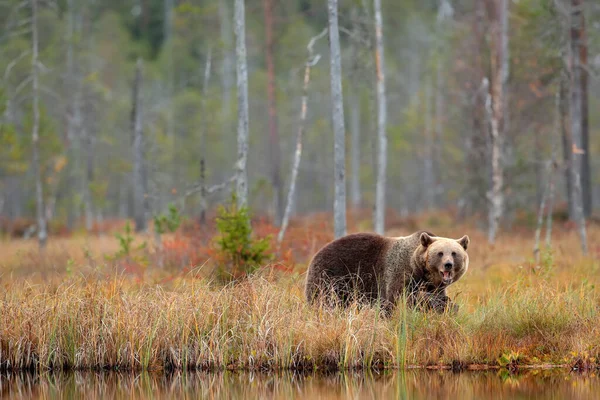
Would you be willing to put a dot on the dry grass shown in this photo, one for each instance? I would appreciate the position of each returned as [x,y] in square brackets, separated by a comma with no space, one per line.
[87,315]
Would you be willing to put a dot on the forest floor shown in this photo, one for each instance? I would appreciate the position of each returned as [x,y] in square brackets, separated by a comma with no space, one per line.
[80,305]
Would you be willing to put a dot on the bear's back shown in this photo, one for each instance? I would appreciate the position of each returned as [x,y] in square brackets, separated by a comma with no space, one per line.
[351,263]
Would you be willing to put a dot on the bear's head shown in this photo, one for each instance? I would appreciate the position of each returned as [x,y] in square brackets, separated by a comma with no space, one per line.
[444,260]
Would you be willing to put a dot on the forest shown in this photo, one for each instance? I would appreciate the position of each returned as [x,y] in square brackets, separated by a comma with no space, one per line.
[442,62]
[169,167]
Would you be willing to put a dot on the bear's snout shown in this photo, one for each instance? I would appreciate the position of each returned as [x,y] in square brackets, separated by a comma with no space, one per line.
[448,266]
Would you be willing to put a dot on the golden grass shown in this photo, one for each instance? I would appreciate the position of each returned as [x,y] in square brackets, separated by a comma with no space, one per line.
[513,312]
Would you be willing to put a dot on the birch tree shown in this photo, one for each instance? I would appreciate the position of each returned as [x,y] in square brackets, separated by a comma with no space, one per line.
[139,189]
[497,90]
[381,123]
[337,107]
[242,98]
[311,61]
[35,136]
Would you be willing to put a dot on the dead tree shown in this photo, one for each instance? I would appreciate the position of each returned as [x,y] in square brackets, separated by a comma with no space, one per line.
[576,100]
[428,169]
[207,70]
[553,170]
[497,90]
[139,188]
[242,97]
[311,61]
[381,123]
[35,135]
[337,106]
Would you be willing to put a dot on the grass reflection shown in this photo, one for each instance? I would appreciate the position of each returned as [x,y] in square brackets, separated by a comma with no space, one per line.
[411,384]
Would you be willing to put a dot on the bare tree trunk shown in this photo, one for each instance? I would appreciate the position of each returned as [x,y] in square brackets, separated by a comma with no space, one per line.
[381,123]
[438,135]
[567,143]
[576,114]
[498,88]
[35,137]
[428,174]
[310,62]
[445,13]
[168,30]
[88,178]
[242,97]
[337,106]
[274,149]
[355,112]
[538,164]
[227,69]
[138,151]
[207,70]
[355,150]
[580,52]
[540,217]
[85,129]
[554,164]
[72,86]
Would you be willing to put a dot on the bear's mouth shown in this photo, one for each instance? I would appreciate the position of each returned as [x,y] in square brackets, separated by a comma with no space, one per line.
[446,277]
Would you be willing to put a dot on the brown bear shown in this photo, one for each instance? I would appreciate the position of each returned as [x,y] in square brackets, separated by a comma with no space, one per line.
[367,267]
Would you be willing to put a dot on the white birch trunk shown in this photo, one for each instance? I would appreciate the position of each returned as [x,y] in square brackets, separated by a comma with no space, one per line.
[497,90]
[242,97]
[35,138]
[310,62]
[381,123]
[495,195]
[339,132]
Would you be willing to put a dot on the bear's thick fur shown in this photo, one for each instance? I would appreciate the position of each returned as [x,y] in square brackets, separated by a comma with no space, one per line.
[369,268]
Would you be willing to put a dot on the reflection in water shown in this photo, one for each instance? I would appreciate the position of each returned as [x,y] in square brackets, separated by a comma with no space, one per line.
[414,384]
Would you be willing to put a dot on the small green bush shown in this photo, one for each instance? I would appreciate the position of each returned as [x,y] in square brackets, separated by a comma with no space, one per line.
[126,249]
[167,222]
[239,252]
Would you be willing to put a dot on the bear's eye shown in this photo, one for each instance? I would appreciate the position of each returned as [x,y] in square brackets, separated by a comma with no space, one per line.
[440,254]
[453,254]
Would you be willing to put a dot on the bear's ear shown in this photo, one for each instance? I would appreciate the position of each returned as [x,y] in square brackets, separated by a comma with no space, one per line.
[426,240]
[464,241]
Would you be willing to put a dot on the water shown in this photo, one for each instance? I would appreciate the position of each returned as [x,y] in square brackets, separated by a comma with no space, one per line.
[415,384]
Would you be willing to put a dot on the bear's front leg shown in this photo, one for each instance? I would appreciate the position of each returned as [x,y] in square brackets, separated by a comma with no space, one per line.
[440,302]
